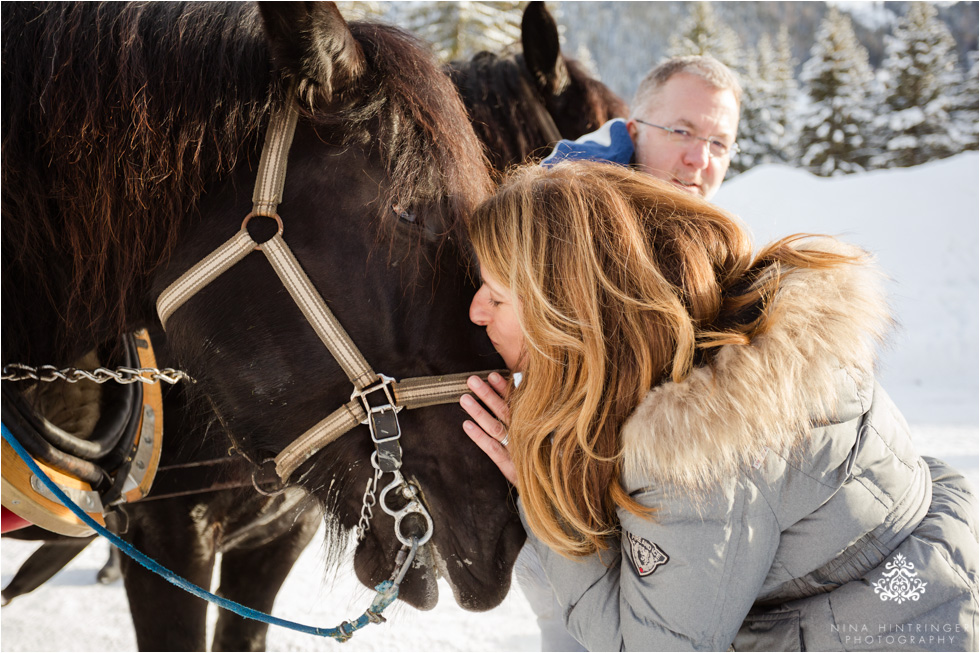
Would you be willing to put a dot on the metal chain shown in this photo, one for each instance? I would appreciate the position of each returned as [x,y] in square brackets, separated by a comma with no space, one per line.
[367,507]
[124,375]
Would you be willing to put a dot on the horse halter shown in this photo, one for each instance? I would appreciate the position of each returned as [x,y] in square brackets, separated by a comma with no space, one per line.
[377,399]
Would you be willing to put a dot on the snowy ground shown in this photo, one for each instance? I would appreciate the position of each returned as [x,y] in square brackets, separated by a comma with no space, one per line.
[923,225]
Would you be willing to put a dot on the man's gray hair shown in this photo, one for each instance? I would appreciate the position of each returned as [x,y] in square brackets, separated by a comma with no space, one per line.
[706,67]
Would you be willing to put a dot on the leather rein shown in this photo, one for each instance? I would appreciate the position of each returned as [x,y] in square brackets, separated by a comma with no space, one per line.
[377,399]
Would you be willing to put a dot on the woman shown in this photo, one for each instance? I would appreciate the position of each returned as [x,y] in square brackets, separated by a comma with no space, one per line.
[703,457]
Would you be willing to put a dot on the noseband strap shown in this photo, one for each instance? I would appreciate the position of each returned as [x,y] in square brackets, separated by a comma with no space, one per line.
[408,393]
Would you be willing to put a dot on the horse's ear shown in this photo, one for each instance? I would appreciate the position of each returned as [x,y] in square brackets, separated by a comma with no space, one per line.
[311,41]
[542,49]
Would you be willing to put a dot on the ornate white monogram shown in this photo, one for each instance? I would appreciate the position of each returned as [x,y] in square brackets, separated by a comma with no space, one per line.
[900,582]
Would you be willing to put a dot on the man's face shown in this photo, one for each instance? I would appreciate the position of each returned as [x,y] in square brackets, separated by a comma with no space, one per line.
[686,102]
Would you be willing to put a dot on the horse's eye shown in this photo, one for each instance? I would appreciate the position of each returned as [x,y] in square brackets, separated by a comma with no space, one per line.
[402,214]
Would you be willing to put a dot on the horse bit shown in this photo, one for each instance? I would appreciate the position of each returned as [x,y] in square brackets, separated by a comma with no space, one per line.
[376,400]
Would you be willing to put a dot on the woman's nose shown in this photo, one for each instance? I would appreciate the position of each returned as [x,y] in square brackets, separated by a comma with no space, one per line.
[478,312]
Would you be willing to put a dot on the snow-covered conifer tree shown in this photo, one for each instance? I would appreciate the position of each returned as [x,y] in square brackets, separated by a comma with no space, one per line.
[364,9]
[785,98]
[458,30]
[919,77]
[766,133]
[756,131]
[965,110]
[702,33]
[837,119]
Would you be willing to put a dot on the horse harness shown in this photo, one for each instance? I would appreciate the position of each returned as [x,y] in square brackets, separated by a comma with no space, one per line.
[119,461]
[112,462]
[376,399]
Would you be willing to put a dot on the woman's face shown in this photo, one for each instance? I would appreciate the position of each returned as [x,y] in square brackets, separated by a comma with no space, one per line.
[495,307]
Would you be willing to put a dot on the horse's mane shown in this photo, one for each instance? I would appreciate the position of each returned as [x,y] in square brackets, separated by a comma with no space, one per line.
[118,116]
[508,111]
[430,148]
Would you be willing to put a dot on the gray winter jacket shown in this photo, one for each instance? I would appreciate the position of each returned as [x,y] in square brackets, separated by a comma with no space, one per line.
[842,538]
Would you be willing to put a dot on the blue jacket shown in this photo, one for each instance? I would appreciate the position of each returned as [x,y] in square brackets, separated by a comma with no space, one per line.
[611,142]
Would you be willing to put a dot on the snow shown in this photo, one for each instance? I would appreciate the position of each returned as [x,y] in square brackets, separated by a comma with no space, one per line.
[922,223]
[872,15]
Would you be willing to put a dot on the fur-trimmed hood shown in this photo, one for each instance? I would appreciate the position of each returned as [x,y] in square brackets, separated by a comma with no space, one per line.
[768,393]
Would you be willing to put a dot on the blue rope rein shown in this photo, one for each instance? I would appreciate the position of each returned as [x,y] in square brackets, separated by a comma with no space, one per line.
[387,591]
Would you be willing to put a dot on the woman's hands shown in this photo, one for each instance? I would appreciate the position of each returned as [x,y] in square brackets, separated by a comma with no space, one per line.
[489,431]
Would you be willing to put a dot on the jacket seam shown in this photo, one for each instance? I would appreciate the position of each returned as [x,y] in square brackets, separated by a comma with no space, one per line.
[944,555]
[872,489]
[890,448]
[833,614]
[849,371]
[659,626]
[730,558]
[789,464]
[762,493]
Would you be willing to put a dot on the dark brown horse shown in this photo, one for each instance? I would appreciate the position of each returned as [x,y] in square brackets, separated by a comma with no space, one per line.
[131,135]
[252,533]
[521,103]
[246,535]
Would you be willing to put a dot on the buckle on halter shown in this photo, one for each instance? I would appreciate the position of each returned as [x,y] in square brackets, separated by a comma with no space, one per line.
[388,448]
[382,419]
[387,426]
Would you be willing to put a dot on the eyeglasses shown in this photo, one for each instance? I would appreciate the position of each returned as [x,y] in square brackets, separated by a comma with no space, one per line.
[716,148]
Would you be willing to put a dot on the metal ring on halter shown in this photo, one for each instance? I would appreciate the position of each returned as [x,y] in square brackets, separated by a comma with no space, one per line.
[258,246]
[263,468]
[414,506]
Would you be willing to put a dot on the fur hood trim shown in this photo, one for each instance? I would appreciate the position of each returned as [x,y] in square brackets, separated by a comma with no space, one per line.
[768,393]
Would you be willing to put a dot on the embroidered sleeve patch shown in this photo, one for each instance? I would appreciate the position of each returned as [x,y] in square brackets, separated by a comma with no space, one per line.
[646,555]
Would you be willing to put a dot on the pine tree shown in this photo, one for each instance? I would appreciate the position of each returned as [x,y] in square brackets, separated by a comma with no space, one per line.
[965,109]
[833,128]
[584,56]
[755,129]
[918,75]
[766,132]
[458,30]
[364,9]
[701,33]
[785,98]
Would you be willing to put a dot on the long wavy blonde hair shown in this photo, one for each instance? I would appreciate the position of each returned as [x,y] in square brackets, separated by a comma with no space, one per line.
[623,282]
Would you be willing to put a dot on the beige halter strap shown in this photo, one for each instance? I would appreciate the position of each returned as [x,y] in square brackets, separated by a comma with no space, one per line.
[407,393]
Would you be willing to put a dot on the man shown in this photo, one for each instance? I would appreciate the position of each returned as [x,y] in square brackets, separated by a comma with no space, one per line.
[681,129]
[682,126]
